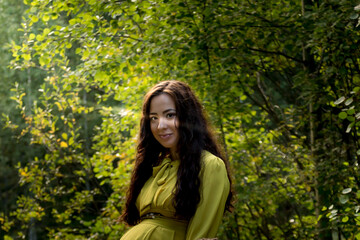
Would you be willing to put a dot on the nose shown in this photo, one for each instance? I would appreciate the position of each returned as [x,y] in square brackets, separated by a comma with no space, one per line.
[162,123]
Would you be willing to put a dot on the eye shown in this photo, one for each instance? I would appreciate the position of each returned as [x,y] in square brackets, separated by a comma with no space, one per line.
[170,115]
[153,118]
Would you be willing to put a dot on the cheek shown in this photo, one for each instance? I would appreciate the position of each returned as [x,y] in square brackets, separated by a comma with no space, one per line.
[152,128]
[176,123]
[176,126]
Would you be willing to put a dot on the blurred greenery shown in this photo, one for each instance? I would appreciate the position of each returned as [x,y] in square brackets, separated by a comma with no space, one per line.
[280,81]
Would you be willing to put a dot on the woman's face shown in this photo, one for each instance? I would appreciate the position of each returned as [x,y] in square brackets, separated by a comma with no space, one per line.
[164,121]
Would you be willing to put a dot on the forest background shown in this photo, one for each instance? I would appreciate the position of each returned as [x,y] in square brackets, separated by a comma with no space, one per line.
[280,80]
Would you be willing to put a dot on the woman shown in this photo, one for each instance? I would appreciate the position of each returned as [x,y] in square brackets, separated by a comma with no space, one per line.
[180,184]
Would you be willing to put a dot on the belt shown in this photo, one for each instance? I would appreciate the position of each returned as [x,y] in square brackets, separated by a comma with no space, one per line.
[150,215]
[158,219]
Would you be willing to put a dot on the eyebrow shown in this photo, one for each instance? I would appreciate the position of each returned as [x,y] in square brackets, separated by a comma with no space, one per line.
[164,112]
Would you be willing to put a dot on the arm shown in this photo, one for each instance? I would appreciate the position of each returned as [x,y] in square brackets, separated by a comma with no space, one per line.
[214,190]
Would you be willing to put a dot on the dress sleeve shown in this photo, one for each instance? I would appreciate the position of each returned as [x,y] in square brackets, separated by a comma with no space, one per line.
[214,190]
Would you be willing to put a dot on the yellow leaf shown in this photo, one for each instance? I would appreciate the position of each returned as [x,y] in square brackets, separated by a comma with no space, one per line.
[39,37]
[59,106]
[46,18]
[71,141]
[23,173]
[34,18]
[27,57]
[63,145]
[64,136]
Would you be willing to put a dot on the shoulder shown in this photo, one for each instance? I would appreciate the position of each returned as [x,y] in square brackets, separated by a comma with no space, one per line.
[210,161]
[213,171]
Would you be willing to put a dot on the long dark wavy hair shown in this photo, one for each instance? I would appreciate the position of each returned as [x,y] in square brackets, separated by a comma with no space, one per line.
[195,136]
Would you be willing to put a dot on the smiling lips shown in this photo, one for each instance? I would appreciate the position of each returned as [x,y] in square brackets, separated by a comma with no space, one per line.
[165,136]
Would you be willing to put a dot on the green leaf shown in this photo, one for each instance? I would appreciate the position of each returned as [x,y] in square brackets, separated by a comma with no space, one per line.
[72,21]
[348,129]
[351,119]
[340,100]
[357,116]
[136,17]
[46,31]
[349,101]
[342,115]
[345,219]
[344,199]
[132,62]
[354,16]
[346,191]
[358,194]
[350,111]
[85,55]
[101,76]
[42,61]
[358,234]
[78,50]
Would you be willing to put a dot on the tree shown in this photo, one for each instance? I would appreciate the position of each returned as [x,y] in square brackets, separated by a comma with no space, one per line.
[13,150]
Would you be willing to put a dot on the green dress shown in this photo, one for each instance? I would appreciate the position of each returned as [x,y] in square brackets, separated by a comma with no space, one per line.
[157,194]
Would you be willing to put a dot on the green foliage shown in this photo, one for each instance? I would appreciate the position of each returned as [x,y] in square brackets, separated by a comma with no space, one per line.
[279,79]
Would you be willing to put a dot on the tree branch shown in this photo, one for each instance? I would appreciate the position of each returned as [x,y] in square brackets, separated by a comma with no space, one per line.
[276,53]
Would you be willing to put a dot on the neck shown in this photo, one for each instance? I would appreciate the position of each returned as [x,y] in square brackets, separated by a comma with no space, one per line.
[174,155]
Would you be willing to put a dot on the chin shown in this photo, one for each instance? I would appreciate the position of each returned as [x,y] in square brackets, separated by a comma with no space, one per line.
[167,146]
